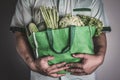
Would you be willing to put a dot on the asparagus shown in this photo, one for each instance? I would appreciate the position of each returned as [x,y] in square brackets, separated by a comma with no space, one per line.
[50,16]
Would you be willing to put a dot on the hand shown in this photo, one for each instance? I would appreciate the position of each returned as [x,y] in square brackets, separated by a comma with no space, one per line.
[41,66]
[89,64]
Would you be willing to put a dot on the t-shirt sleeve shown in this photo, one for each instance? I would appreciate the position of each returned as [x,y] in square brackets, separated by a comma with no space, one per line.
[106,25]
[100,13]
[93,8]
[22,16]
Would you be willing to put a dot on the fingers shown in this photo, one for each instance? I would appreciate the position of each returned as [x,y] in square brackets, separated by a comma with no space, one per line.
[57,70]
[52,71]
[47,58]
[79,55]
[85,56]
[79,74]
[57,67]
[75,65]
[75,70]
[56,75]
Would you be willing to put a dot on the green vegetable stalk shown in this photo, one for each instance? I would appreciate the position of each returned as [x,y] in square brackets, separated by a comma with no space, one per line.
[51,19]
[50,16]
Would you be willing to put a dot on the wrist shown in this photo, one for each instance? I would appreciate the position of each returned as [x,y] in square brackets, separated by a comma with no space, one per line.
[100,56]
[33,66]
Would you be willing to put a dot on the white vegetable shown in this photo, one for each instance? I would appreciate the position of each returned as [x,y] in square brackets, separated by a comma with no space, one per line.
[70,20]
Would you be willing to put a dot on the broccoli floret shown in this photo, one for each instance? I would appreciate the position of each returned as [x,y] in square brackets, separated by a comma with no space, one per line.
[91,21]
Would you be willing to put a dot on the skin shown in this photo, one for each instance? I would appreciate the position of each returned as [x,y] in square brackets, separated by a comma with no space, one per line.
[39,65]
[88,65]
[90,62]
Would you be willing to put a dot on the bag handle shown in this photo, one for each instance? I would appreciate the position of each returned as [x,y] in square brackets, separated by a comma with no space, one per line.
[71,35]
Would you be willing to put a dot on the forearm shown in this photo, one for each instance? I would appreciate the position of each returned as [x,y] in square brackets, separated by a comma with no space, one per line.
[23,49]
[100,45]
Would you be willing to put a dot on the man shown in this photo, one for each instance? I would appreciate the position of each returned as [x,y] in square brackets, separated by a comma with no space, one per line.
[28,11]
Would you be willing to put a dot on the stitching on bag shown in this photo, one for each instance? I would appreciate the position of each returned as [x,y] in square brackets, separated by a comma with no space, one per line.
[35,41]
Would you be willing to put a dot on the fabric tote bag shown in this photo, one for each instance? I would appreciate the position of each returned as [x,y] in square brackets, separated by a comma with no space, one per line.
[62,43]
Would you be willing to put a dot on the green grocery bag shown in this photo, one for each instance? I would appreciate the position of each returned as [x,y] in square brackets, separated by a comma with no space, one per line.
[62,43]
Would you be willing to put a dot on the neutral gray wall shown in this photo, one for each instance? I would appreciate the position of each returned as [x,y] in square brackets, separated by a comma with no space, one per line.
[13,68]
[110,70]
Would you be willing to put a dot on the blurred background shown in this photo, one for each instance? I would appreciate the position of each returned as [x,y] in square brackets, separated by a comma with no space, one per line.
[12,66]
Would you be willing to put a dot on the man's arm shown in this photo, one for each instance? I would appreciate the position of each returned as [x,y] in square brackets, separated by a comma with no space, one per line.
[100,45]
[23,49]
[39,65]
[90,62]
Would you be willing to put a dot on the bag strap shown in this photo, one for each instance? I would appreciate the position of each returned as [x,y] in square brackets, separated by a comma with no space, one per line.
[71,34]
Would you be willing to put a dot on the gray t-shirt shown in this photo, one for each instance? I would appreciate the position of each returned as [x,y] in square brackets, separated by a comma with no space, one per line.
[28,10]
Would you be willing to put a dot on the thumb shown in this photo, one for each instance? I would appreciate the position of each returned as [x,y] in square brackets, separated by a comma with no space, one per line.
[85,56]
[48,58]
[79,55]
